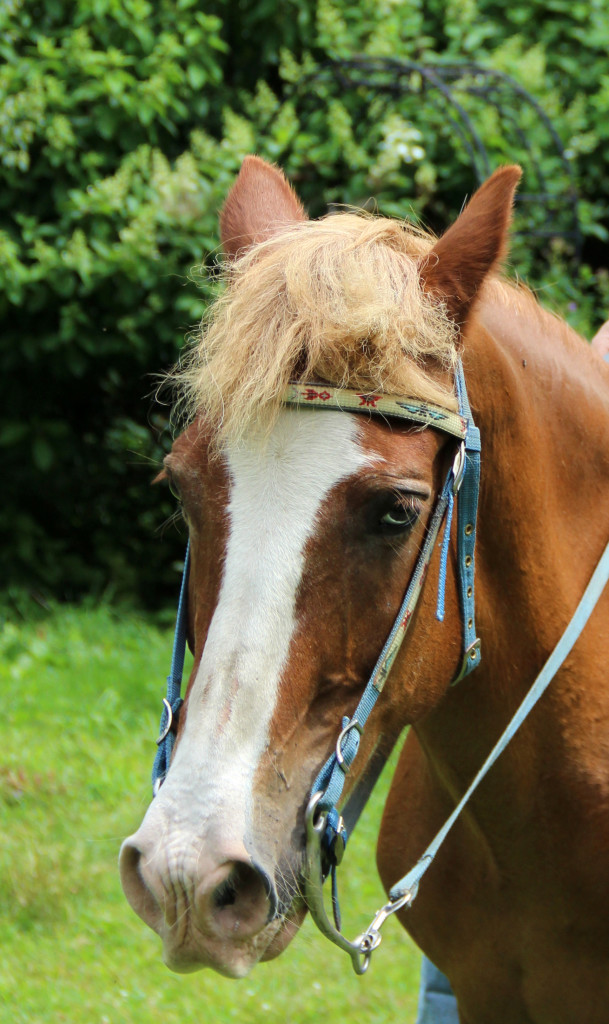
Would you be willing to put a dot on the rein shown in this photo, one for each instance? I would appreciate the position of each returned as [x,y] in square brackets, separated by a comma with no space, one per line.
[326,832]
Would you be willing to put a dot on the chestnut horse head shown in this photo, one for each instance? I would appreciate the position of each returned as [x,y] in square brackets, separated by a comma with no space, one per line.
[305,528]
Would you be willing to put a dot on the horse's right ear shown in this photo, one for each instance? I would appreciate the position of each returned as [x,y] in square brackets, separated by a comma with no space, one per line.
[260,203]
[473,246]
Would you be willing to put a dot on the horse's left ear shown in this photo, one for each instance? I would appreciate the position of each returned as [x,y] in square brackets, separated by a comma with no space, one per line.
[473,246]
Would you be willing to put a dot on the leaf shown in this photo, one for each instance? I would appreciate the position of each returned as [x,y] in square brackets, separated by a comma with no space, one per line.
[196,75]
[42,454]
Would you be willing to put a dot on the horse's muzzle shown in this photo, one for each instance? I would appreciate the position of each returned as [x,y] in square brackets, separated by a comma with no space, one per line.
[210,909]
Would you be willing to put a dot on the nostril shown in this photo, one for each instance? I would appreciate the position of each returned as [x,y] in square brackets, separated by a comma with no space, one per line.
[245,900]
[271,892]
[226,894]
[139,895]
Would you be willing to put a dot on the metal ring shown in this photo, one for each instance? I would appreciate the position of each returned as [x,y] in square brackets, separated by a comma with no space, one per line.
[370,941]
[167,728]
[316,826]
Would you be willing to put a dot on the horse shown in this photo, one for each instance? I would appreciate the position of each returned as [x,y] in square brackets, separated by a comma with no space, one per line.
[305,526]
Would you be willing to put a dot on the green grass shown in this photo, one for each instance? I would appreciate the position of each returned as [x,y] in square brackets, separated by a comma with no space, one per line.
[81,700]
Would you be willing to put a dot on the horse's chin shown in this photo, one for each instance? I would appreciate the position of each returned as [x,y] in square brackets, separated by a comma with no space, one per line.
[232,959]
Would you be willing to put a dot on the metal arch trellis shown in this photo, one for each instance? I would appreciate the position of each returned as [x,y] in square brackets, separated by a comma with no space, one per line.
[395,77]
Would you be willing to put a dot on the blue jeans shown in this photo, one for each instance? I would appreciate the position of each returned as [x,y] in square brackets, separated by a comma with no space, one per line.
[437,1004]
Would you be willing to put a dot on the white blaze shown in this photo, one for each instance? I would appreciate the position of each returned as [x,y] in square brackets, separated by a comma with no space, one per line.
[277,486]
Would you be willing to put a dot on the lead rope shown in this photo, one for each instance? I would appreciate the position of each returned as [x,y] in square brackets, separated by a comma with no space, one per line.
[406,889]
[326,836]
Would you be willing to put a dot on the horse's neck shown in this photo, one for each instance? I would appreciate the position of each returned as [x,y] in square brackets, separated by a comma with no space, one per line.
[541,400]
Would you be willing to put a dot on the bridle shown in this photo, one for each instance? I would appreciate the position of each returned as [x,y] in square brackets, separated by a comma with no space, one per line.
[327,831]
[326,828]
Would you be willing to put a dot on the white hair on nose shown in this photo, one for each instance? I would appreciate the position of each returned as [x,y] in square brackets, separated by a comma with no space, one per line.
[277,487]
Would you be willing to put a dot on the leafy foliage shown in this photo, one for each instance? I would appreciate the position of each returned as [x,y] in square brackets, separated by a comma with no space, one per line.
[122,125]
[109,199]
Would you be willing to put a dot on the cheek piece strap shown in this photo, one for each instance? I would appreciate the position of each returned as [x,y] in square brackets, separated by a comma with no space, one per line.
[173,701]
[326,826]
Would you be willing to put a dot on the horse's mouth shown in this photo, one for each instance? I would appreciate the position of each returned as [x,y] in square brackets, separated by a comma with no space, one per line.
[187,949]
[289,925]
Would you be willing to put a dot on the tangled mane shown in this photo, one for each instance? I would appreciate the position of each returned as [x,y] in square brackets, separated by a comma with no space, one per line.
[336,300]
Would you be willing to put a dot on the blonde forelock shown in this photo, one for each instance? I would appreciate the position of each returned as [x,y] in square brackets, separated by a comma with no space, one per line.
[337,300]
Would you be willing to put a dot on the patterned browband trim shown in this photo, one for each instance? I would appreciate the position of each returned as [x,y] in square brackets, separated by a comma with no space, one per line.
[323,396]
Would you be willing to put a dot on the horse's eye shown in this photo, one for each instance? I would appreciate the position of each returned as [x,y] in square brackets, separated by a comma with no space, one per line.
[401,516]
[173,487]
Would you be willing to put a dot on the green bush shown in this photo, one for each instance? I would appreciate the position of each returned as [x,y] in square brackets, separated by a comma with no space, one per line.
[109,198]
[122,125]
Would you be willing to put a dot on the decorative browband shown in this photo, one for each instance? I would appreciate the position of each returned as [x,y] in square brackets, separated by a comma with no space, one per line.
[327,397]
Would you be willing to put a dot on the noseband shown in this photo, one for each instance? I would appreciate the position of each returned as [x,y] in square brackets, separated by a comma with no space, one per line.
[326,829]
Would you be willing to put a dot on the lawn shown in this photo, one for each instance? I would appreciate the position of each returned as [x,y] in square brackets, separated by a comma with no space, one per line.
[82,692]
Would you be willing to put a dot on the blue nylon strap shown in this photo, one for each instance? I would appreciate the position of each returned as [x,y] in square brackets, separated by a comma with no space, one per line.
[444,559]
[174,685]
[410,882]
[467,512]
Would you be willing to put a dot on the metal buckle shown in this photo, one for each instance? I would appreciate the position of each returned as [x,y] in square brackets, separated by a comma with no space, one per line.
[340,759]
[459,467]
